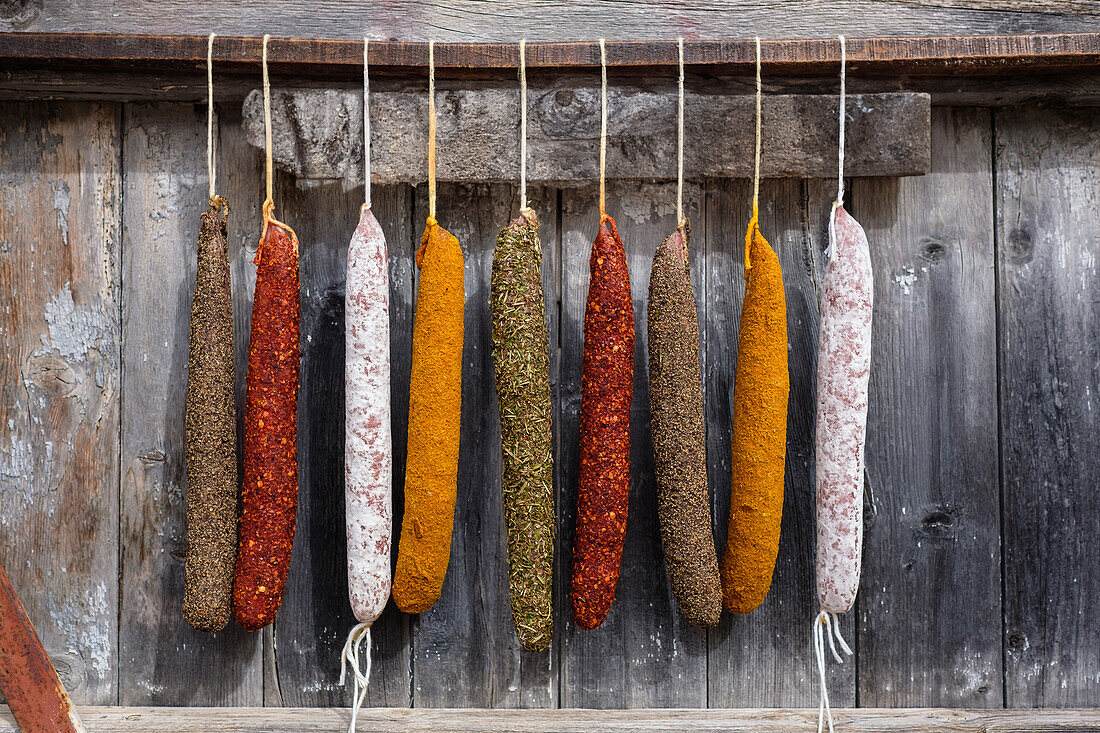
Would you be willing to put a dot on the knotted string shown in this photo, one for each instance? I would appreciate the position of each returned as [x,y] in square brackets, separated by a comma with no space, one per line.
[366,126]
[831,629]
[603,126]
[523,126]
[680,219]
[360,674]
[269,201]
[831,252]
[431,132]
[753,222]
[211,159]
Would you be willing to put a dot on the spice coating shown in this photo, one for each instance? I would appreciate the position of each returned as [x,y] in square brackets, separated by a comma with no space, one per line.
[269,499]
[607,387]
[679,438]
[761,387]
[522,365]
[210,428]
[435,408]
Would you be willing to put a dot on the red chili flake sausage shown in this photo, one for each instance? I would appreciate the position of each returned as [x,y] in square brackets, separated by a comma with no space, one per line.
[270,493]
[607,388]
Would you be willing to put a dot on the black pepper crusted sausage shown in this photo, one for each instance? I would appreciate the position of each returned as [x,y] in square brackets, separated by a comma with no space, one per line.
[211,434]
[679,439]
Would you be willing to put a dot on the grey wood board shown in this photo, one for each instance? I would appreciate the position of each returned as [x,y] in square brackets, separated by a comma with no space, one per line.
[465,648]
[317,133]
[644,654]
[1048,186]
[60,218]
[932,524]
[470,20]
[165,189]
[755,720]
[763,658]
[315,617]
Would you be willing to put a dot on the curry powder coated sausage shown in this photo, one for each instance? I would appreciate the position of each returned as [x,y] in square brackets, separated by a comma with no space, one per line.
[522,366]
[435,409]
[843,371]
[211,434]
[269,500]
[368,457]
[679,437]
[607,388]
[761,387]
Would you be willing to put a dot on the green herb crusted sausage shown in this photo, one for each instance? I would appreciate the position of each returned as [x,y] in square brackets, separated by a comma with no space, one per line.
[679,441]
[211,435]
[522,363]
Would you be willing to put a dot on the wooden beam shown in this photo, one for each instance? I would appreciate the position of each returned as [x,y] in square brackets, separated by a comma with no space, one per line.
[392,720]
[317,134]
[341,59]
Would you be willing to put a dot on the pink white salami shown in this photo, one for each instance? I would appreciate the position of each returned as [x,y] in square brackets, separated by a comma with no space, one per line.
[843,370]
[367,448]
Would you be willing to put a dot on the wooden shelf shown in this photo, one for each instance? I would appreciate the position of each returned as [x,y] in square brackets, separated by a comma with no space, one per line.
[386,720]
[944,55]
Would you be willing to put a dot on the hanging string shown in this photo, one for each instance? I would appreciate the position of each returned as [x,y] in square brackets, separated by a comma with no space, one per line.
[825,627]
[360,674]
[603,125]
[431,132]
[523,126]
[680,219]
[756,168]
[267,124]
[269,200]
[840,155]
[366,126]
[211,159]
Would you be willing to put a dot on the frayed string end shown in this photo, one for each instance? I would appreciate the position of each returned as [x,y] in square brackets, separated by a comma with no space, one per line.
[360,673]
[826,626]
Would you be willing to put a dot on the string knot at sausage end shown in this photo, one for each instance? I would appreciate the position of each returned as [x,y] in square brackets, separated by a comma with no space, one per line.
[754,227]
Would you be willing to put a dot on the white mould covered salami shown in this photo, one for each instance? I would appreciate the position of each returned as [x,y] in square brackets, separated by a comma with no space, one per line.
[843,370]
[367,448]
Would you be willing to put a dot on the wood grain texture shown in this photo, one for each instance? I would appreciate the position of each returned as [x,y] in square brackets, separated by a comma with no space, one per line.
[315,617]
[165,188]
[317,134]
[1048,187]
[761,720]
[932,521]
[763,658]
[644,654]
[60,216]
[465,651]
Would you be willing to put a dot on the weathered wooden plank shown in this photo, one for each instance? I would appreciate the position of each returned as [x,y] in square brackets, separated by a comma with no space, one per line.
[955,49]
[644,654]
[931,586]
[763,658]
[762,720]
[318,133]
[465,651]
[60,215]
[312,625]
[165,190]
[1048,186]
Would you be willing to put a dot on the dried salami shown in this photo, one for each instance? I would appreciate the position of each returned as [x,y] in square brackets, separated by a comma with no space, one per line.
[210,427]
[269,499]
[679,437]
[843,372]
[607,389]
[368,460]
